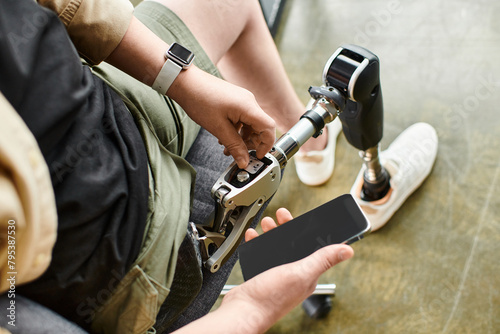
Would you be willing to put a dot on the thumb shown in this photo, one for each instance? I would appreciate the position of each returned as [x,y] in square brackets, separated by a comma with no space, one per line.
[234,145]
[326,257]
[239,151]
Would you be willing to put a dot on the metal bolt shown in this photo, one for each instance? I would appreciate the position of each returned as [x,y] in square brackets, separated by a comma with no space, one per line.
[243,176]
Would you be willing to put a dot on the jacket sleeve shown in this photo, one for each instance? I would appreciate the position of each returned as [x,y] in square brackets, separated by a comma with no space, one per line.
[96,27]
[28,218]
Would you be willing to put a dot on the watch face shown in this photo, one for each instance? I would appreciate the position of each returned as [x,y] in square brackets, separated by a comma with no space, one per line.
[181,54]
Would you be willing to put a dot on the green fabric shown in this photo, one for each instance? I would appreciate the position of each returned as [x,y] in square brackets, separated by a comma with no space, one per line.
[168,133]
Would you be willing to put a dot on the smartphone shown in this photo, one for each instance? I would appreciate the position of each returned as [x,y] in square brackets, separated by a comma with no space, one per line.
[338,221]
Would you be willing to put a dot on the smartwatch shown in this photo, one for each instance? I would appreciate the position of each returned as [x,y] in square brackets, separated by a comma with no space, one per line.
[177,58]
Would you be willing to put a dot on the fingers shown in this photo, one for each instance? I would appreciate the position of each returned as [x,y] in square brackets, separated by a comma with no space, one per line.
[250,234]
[252,141]
[250,138]
[235,146]
[283,216]
[244,138]
[259,128]
[267,224]
[224,110]
[264,141]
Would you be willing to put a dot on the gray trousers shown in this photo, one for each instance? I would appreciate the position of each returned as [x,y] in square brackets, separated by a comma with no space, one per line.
[207,158]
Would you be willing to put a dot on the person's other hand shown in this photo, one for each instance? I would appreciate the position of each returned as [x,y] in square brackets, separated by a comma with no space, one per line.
[229,112]
[254,306]
[275,292]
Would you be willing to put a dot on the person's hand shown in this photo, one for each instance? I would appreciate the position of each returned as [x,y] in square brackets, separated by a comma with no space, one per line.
[229,112]
[254,306]
[276,291]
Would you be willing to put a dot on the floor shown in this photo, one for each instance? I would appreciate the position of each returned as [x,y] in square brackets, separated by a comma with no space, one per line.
[434,268]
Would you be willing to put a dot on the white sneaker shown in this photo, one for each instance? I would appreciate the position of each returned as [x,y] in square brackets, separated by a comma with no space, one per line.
[316,167]
[408,160]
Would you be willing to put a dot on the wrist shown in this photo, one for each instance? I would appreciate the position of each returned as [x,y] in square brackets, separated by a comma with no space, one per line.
[177,60]
[248,316]
[234,316]
[186,83]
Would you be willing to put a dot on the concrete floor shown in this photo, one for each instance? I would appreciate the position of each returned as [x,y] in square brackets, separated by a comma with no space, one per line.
[434,268]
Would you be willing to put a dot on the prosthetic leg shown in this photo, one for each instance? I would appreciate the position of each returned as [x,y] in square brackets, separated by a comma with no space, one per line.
[352,92]
[355,72]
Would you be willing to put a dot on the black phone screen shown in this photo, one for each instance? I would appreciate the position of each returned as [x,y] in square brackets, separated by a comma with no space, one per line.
[335,222]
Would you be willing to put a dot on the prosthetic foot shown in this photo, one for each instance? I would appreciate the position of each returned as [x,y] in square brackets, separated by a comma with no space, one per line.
[408,161]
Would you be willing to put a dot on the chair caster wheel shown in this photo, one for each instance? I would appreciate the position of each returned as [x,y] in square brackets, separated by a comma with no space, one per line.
[317,306]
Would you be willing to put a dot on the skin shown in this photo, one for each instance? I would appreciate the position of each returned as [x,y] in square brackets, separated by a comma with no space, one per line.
[257,97]
[234,117]
[240,44]
[243,112]
[254,306]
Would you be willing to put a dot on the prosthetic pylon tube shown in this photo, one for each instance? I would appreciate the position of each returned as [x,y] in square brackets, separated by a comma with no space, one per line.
[354,71]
